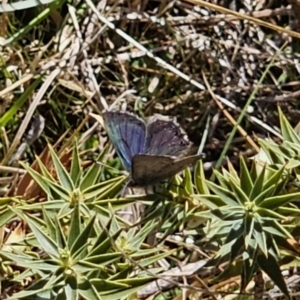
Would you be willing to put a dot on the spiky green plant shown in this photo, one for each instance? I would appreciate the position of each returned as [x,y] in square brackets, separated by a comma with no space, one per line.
[94,259]
[75,245]
[286,153]
[71,188]
[249,218]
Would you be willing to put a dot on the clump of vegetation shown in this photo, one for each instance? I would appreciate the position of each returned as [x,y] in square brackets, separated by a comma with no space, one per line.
[228,227]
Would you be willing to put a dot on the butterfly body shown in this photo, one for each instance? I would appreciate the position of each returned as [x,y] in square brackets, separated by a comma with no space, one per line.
[151,151]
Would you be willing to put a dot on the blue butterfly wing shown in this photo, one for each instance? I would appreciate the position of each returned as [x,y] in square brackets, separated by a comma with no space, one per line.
[165,137]
[127,133]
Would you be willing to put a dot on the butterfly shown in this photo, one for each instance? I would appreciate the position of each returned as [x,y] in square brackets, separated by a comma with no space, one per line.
[151,151]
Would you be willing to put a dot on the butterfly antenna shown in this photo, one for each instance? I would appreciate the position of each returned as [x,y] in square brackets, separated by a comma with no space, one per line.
[107,166]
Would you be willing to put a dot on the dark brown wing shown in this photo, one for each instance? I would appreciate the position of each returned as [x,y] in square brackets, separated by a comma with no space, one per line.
[152,169]
[164,136]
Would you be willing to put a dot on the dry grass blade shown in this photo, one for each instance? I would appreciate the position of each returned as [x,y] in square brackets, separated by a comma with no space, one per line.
[245,17]
[29,115]
[230,118]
